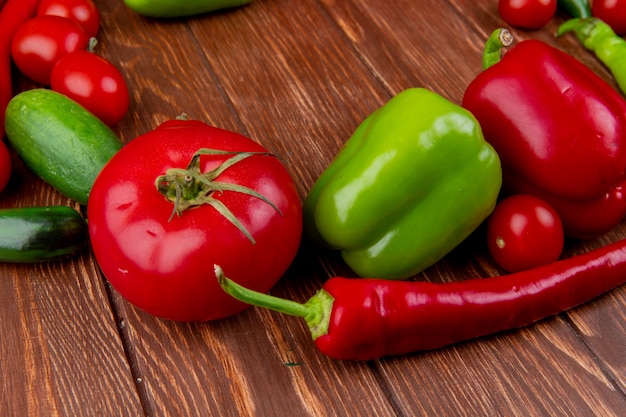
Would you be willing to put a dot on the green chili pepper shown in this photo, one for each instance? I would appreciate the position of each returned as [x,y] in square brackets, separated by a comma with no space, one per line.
[175,8]
[598,37]
[413,181]
[576,8]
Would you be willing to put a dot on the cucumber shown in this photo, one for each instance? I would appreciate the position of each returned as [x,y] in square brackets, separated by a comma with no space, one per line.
[177,8]
[37,234]
[59,140]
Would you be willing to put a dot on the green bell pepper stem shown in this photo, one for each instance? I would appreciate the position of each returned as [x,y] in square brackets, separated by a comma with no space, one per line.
[316,311]
[576,8]
[499,39]
[598,37]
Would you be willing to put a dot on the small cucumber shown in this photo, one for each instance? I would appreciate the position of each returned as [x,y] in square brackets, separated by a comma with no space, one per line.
[37,234]
[59,140]
[177,8]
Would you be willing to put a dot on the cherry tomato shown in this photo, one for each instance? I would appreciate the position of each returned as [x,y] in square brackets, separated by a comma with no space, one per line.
[523,232]
[163,262]
[83,12]
[5,165]
[40,42]
[527,14]
[93,82]
[611,12]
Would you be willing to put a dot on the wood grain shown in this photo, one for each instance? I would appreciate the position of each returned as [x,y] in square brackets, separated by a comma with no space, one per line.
[298,77]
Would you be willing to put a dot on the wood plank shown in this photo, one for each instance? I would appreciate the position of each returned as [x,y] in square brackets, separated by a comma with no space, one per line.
[509,374]
[165,73]
[60,350]
[297,91]
[409,44]
[232,360]
[601,325]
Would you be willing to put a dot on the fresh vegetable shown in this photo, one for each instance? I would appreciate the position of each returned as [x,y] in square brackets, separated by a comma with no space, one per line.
[83,12]
[524,232]
[413,181]
[5,165]
[93,82]
[598,37]
[219,197]
[41,41]
[174,8]
[13,14]
[559,129]
[527,14]
[363,319]
[576,8]
[59,140]
[37,234]
[611,12]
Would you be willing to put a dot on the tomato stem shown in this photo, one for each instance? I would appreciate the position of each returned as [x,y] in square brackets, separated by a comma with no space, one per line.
[189,187]
[92,44]
[316,311]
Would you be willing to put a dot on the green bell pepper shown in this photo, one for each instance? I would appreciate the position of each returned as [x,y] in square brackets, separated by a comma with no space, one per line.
[413,181]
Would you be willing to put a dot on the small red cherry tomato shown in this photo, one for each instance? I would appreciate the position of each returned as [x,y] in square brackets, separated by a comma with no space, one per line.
[40,42]
[524,232]
[94,83]
[527,14]
[611,12]
[5,165]
[83,12]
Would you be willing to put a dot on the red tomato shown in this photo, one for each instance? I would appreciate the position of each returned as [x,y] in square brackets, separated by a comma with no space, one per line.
[523,232]
[83,12]
[163,263]
[93,82]
[40,42]
[611,12]
[5,165]
[527,14]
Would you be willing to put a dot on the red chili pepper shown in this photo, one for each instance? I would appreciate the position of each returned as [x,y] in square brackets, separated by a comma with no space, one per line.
[365,319]
[559,129]
[13,14]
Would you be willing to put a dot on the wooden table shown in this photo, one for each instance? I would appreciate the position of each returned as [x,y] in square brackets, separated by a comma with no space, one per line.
[298,77]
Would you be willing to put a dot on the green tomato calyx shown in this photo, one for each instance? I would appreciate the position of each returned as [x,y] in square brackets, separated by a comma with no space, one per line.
[189,187]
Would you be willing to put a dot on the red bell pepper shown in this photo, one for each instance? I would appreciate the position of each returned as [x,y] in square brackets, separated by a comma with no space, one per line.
[559,129]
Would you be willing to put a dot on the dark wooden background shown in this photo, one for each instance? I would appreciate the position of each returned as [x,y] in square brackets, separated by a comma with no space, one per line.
[298,77]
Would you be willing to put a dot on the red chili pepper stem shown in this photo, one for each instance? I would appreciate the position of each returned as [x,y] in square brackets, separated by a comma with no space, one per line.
[499,39]
[315,312]
[189,187]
